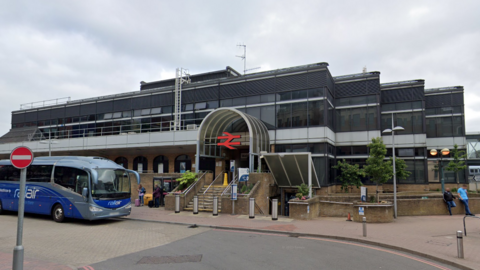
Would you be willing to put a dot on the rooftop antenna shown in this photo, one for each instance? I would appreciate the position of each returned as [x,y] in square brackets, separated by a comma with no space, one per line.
[244,58]
[364,69]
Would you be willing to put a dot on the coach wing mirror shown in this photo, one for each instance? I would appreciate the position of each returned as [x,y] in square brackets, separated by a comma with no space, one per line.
[85,194]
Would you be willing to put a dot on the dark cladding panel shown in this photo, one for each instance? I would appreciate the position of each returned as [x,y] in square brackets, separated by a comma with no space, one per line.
[31,116]
[232,90]
[206,94]
[72,111]
[401,95]
[57,113]
[44,115]
[188,97]
[350,89]
[162,100]
[18,118]
[373,86]
[457,99]
[438,101]
[292,82]
[88,109]
[104,107]
[122,105]
[257,87]
[141,102]
[317,79]
[330,82]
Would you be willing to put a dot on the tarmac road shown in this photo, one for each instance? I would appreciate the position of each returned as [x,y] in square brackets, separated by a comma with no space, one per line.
[130,244]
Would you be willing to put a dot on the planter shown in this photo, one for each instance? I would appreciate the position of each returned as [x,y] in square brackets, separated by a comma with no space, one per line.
[304,209]
[374,212]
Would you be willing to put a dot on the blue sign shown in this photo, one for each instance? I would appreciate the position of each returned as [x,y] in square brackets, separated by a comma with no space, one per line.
[243,174]
[361,211]
[234,192]
[232,165]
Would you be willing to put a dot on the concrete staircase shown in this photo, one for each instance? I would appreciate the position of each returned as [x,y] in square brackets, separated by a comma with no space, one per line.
[205,201]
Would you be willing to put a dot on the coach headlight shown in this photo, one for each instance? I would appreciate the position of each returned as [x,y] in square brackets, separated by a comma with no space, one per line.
[95,209]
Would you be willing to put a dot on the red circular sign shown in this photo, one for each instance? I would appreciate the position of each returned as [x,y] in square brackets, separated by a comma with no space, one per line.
[21,157]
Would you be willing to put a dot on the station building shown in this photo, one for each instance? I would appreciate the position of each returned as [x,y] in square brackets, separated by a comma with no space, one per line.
[171,126]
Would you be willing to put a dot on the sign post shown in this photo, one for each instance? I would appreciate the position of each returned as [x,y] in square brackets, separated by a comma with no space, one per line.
[21,157]
[363,194]
[234,197]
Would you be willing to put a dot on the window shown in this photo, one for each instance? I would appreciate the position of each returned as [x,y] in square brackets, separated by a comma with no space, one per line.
[406,152]
[71,178]
[239,101]
[146,112]
[299,114]
[200,106]
[39,173]
[188,107]
[268,116]
[226,103]
[344,150]
[9,173]
[212,104]
[343,120]
[284,113]
[156,111]
[255,112]
[315,113]
[457,123]
[167,109]
[126,114]
[137,113]
[284,96]
[267,98]
[253,100]
[358,121]
[301,94]
[314,93]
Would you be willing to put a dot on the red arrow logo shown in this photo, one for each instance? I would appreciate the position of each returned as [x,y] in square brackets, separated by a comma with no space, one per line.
[228,143]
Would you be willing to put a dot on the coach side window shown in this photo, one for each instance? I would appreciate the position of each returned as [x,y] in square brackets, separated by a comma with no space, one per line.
[39,173]
[9,173]
[71,178]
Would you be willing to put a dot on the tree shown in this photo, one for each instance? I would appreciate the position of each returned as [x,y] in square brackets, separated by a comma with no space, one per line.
[350,175]
[379,170]
[401,168]
[458,162]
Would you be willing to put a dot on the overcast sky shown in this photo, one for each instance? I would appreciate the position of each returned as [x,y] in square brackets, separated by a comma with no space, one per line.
[82,49]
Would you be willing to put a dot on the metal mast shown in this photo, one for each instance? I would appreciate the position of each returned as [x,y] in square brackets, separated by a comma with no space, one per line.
[181,76]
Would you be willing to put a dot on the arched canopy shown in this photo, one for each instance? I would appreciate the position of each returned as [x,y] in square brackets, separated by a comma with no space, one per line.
[216,122]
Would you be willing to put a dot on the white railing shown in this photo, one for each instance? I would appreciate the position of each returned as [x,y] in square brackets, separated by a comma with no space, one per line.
[44,103]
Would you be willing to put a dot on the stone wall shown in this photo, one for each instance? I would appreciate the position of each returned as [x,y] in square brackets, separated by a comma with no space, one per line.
[374,213]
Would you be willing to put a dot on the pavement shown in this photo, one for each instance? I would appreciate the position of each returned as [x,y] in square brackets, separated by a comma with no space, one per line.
[433,237]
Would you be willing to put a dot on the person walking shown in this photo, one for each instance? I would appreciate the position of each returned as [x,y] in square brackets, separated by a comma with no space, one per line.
[141,193]
[156,195]
[463,197]
[162,190]
[448,199]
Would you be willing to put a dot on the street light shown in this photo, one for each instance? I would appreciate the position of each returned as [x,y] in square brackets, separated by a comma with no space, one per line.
[50,142]
[444,152]
[392,130]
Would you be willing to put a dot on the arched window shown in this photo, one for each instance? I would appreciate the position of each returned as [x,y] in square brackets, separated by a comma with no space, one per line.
[140,164]
[122,161]
[160,164]
[183,163]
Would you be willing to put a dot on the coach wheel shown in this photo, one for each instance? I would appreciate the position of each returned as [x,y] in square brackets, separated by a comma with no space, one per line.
[57,214]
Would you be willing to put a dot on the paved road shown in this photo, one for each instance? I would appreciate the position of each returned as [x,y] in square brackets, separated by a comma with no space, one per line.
[129,244]
[219,249]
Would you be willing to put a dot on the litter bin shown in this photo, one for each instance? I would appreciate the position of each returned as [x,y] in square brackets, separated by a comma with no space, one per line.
[147,198]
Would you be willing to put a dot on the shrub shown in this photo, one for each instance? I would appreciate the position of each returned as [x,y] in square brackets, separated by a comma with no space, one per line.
[454,190]
[246,189]
[372,199]
[186,180]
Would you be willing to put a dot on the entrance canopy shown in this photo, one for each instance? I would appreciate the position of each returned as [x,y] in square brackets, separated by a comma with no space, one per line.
[292,169]
[216,123]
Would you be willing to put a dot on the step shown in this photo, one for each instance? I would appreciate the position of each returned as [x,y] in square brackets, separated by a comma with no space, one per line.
[201,210]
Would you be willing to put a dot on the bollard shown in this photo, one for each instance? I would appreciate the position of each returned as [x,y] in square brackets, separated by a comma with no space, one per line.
[195,205]
[364,227]
[177,203]
[275,209]
[460,244]
[215,206]
[251,212]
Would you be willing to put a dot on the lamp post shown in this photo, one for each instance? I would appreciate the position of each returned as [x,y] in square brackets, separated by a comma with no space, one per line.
[444,152]
[397,128]
[49,143]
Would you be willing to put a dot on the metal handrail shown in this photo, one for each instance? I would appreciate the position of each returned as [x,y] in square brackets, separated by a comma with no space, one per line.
[229,185]
[195,183]
[464,227]
[203,195]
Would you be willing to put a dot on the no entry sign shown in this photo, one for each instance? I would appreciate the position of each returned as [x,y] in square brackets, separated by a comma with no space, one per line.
[21,157]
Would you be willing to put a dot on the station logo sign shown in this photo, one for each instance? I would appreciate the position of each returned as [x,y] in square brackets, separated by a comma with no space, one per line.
[229,138]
